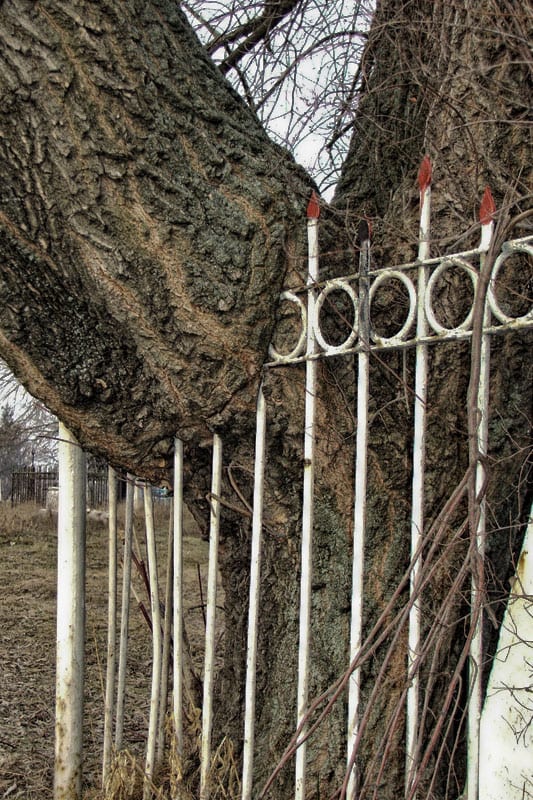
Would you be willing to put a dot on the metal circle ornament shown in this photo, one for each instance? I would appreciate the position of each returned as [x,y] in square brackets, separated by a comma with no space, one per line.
[400,335]
[520,247]
[334,286]
[444,265]
[299,349]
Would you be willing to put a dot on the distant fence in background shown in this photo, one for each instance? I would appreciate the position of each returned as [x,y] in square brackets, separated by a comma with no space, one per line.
[31,486]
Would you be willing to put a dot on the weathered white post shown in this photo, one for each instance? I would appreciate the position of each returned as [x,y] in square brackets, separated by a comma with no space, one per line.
[313,213]
[359,525]
[506,735]
[177,611]
[124,614]
[418,482]
[167,640]
[479,452]
[111,624]
[157,641]
[210,628]
[253,606]
[70,617]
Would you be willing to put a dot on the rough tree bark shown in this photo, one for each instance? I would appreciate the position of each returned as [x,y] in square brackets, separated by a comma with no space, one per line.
[147,227]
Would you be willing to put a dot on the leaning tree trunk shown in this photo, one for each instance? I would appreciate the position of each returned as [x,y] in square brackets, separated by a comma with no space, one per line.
[147,227]
[147,223]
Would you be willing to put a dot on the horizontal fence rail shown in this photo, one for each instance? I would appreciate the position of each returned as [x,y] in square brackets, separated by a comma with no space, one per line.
[419,295]
[421,329]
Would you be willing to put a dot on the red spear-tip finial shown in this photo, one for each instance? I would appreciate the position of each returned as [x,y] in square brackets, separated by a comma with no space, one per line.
[487,207]
[313,207]
[424,174]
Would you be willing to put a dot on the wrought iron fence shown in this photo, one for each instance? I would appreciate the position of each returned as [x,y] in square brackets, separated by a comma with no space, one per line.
[421,329]
[32,486]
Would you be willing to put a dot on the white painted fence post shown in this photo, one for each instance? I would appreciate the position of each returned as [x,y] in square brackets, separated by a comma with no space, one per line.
[210,633]
[157,642]
[124,613]
[253,607]
[111,624]
[506,738]
[167,637]
[70,618]
[419,465]
[477,596]
[306,566]
[178,596]
[359,530]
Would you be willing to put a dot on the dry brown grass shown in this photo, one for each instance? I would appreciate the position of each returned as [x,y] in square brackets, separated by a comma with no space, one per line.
[27,656]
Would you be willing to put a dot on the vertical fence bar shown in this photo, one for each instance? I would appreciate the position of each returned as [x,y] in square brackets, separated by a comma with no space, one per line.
[253,608]
[167,635]
[156,642]
[178,597]
[124,613]
[360,498]
[313,212]
[70,660]
[210,633]
[111,625]
[482,403]
[419,461]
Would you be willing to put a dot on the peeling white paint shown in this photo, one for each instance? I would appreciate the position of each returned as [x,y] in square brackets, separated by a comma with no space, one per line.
[506,742]
[70,647]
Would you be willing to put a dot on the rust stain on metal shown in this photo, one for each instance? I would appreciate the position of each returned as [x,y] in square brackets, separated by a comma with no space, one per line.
[424,174]
[313,207]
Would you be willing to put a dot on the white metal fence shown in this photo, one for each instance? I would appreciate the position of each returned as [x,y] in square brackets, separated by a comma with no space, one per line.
[421,330]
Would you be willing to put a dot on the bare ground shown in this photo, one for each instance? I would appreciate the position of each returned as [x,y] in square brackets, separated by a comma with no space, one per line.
[27,648]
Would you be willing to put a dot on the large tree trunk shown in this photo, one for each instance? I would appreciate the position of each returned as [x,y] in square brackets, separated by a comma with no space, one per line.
[147,227]
[147,224]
